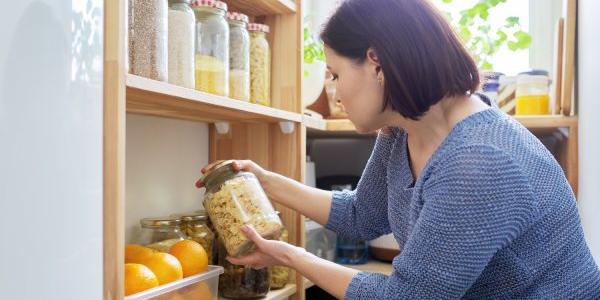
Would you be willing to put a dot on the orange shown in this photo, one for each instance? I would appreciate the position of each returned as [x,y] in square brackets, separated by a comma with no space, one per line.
[135,253]
[164,265]
[138,278]
[192,257]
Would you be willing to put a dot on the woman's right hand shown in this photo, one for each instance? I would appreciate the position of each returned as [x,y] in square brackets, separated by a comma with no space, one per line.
[238,165]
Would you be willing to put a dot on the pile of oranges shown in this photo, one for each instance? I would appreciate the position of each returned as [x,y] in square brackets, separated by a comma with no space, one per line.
[146,268]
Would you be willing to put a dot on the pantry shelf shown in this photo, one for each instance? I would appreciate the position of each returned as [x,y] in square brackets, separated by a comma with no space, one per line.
[284,293]
[150,97]
[262,8]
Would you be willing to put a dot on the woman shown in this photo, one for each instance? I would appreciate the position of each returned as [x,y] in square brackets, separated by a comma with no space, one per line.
[480,208]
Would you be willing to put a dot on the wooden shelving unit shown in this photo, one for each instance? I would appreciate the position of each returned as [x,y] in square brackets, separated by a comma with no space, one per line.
[264,7]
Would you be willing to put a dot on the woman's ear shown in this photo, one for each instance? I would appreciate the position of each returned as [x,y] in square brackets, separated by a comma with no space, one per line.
[374,62]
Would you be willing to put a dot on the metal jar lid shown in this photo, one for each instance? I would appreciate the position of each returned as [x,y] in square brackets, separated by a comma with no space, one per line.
[192,216]
[218,173]
[159,222]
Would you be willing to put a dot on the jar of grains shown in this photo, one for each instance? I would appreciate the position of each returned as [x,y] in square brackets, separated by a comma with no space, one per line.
[182,24]
[280,274]
[160,233]
[148,38]
[212,47]
[260,64]
[236,198]
[239,57]
[195,227]
[242,282]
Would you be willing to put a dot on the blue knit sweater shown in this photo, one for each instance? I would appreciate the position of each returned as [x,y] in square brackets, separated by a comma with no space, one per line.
[490,216]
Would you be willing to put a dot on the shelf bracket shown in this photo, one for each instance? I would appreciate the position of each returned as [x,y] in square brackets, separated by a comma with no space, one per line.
[287,127]
[222,127]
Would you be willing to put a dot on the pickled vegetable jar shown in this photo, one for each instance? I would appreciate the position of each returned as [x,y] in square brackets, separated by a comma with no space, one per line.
[234,199]
[195,227]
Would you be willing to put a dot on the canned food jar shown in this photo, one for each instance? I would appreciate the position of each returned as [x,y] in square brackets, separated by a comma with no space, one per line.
[195,227]
[161,233]
[234,199]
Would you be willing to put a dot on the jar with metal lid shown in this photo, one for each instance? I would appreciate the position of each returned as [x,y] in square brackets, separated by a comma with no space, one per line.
[212,47]
[260,64]
[239,56]
[242,282]
[161,233]
[195,227]
[233,199]
[147,34]
[280,274]
[182,25]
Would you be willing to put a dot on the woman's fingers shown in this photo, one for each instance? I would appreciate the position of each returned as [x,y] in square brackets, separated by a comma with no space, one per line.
[252,235]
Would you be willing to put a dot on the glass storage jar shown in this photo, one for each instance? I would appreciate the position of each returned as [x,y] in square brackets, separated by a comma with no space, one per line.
[148,38]
[236,198]
[182,24]
[242,282]
[161,233]
[239,57]
[194,226]
[260,64]
[280,274]
[212,47]
[532,95]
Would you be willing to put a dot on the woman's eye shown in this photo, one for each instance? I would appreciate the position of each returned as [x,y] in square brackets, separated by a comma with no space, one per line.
[334,77]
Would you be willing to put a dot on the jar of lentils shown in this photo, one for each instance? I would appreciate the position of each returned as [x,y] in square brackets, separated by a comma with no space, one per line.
[147,31]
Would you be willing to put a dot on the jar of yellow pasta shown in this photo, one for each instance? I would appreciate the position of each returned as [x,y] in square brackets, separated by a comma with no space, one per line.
[212,47]
[260,64]
[234,199]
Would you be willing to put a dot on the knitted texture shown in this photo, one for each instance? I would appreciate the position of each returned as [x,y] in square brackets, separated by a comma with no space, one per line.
[490,216]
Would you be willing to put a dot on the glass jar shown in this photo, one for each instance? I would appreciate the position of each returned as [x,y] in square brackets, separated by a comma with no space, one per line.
[212,47]
[148,38]
[280,274]
[351,252]
[161,233]
[532,95]
[260,64]
[236,198]
[195,227]
[182,24]
[239,57]
[241,282]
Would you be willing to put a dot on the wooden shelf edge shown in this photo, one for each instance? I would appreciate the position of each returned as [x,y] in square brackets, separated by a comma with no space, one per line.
[314,123]
[287,291]
[263,8]
[151,97]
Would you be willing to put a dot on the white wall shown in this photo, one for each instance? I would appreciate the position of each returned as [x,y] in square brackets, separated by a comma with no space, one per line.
[164,158]
[589,123]
[51,150]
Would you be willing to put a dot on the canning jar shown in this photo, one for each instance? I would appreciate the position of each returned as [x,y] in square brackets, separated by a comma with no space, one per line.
[195,227]
[532,95]
[260,64]
[239,56]
[212,47]
[280,274]
[148,38]
[234,199]
[161,233]
[182,24]
[242,282]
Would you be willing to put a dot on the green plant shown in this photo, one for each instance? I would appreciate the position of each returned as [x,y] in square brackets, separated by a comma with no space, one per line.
[481,38]
[313,48]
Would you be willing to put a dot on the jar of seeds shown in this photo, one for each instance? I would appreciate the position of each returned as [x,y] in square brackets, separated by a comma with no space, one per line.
[239,57]
[182,24]
[148,38]
[260,64]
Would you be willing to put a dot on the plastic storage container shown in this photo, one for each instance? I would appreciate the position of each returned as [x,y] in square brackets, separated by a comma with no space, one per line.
[182,24]
[203,286]
[239,57]
[240,282]
[280,274]
[233,199]
[320,241]
[212,47]
[532,95]
[148,38]
[351,252]
[260,64]
[160,233]
[195,227]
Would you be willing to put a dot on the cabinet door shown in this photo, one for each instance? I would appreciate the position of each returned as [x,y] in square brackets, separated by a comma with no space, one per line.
[51,149]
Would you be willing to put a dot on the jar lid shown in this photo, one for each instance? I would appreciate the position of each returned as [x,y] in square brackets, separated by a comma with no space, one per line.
[258,27]
[199,215]
[210,3]
[181,1]
[160,222]
[236,16]
[217,172]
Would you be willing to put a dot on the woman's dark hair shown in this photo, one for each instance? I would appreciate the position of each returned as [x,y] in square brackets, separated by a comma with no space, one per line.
[422,58]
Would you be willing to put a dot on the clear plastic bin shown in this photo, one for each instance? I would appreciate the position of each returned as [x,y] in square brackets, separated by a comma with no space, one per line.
[202,286]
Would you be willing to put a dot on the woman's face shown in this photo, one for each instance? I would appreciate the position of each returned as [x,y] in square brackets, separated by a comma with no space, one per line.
[359,89]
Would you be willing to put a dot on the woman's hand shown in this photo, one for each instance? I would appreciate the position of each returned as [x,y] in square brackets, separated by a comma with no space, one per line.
[268,253]
[238,165]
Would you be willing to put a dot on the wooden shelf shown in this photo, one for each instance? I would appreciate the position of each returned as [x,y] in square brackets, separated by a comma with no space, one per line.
[262,8]
[284,293]
[314,123]
[150,97]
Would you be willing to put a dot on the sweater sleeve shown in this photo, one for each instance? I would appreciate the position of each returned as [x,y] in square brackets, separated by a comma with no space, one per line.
[362,214]
[477,203]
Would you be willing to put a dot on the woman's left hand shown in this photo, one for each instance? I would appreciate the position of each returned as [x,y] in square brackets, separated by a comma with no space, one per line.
[268,252]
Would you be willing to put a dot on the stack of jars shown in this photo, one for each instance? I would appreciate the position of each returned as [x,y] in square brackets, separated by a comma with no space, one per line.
[200,45]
